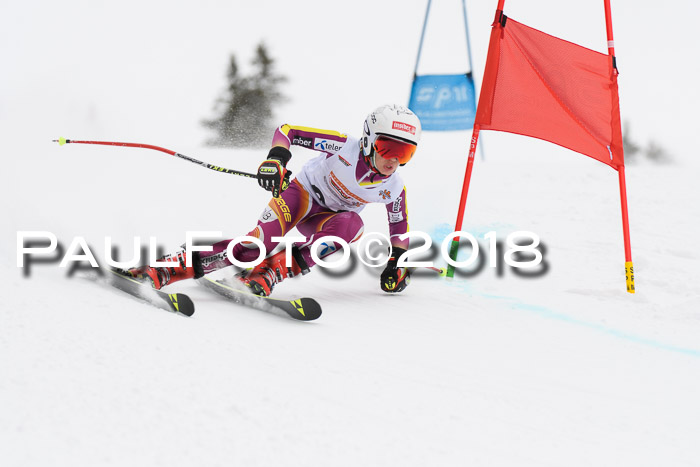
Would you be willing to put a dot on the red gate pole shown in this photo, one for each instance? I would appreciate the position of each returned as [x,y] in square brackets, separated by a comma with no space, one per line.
[463,200]
[454,246]
[629,267]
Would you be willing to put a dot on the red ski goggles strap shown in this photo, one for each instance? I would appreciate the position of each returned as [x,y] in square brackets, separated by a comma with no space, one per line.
[388,148]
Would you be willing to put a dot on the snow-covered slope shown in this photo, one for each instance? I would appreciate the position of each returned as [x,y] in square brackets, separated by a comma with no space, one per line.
[566,368]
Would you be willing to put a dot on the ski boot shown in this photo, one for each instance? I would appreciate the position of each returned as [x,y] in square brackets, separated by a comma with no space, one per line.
[162,276]
[271,271]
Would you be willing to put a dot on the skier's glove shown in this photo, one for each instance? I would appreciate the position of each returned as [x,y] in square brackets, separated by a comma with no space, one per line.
[272,173]
[395,279]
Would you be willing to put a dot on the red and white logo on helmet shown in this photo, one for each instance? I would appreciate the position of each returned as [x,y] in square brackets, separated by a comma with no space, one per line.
[404,127]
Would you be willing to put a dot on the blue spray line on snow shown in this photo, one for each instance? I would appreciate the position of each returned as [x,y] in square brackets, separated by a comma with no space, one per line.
[551,314]
[443,230]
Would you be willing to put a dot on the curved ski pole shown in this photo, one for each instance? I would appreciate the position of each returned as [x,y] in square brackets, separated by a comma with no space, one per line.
[442,272]
[62,141]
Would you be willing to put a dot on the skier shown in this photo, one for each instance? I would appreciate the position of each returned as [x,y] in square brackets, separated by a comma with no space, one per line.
[323,200]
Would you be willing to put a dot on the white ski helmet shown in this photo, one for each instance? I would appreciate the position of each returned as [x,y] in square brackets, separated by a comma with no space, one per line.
[394,121]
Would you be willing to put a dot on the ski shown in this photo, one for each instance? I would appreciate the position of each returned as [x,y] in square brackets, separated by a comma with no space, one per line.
[174,302]
[302,309]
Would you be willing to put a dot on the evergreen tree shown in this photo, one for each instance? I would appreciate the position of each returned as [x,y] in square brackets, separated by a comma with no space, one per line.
[245,110]
[630,147]
[656,153]
[653,151]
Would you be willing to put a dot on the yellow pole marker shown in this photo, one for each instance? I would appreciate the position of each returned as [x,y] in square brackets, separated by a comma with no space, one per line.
[629,275]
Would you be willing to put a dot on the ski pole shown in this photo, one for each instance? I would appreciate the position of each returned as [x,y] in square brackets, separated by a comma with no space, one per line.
[62,141]
[441,272]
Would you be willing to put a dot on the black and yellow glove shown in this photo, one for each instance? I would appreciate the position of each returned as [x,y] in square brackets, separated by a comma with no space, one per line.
[272,173]
[395,279]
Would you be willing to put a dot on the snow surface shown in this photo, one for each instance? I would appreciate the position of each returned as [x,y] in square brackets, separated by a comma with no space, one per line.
[566,369]
[562,369]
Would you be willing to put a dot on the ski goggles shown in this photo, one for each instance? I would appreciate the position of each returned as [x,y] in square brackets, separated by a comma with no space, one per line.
[390,148]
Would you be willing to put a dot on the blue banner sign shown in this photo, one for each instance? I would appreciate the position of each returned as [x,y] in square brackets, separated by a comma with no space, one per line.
[444,102]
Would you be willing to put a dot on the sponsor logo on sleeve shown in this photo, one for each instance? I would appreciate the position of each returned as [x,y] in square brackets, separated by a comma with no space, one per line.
[327,145]
[401,126]
[283,209]
[302,141]
[396,207]
[395,217]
